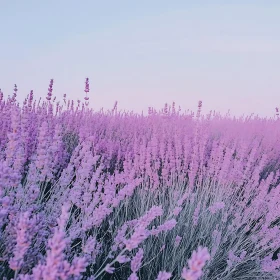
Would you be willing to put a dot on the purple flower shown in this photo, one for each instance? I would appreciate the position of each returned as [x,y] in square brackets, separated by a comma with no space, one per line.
[133,276]
[168,225]
[137,260]
[177,240]
[122,259]
[109,269]
[87,85]
[50,89]
[22,241]
[177,211]
[140,232]
[196,263]
[163,275]
[56,266]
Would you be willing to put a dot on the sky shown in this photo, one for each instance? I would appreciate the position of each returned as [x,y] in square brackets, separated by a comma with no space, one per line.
[145,53]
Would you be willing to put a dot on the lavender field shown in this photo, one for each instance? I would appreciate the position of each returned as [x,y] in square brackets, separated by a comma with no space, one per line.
[118,195]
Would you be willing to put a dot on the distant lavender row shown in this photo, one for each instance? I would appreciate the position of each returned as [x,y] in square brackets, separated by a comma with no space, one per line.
[170,195]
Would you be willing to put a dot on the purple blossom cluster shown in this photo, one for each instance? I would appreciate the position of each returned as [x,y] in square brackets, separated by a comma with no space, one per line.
[196,264]
[87,194]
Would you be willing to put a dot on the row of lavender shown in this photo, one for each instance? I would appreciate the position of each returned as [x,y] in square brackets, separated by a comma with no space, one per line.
[91,195]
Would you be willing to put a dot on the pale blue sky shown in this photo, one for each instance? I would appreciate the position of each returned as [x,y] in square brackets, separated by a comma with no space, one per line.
[145,53]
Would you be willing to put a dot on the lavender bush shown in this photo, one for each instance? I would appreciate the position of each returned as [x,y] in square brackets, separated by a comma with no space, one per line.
[117,195]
